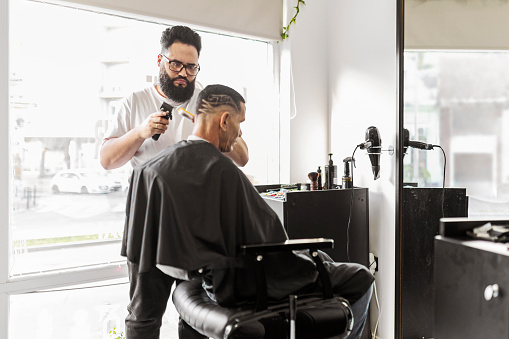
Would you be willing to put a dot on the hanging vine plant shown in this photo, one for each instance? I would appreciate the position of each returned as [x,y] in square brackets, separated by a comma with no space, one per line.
[285,34]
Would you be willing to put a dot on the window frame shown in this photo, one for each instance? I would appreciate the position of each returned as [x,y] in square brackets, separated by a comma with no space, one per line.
[61,278]
[4,169]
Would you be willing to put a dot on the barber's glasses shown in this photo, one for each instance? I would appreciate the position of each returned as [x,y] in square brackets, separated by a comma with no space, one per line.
[176,66]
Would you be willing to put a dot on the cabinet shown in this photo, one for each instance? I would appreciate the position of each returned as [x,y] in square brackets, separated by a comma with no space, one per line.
[466,272]
[338,214]
[422,210]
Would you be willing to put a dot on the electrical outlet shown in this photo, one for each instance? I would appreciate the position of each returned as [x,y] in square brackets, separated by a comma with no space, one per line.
[373,263]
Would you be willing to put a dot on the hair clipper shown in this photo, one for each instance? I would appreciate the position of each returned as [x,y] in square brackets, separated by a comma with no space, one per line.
[164,108]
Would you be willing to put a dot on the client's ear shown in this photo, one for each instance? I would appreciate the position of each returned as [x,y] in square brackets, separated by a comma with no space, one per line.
[225,117]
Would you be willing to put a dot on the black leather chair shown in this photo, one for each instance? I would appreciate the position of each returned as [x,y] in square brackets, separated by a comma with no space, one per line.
[304,316]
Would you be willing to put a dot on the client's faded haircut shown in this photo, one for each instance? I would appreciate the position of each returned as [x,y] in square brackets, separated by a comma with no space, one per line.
[214,96]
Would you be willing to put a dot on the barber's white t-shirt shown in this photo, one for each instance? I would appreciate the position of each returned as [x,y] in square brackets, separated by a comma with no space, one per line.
[136,107]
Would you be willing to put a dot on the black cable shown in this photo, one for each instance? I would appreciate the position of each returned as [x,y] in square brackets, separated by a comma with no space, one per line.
[443,181]
[350,212]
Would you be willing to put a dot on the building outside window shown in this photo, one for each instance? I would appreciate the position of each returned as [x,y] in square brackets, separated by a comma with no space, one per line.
[460,101]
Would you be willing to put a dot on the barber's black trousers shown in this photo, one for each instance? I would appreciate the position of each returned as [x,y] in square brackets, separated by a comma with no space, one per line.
[149,293]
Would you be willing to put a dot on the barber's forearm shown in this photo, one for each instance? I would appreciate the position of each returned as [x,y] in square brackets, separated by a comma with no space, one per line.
[116,152]
[240,153]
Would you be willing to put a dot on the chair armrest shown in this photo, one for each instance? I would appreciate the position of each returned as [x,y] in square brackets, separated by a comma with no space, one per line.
[288,245]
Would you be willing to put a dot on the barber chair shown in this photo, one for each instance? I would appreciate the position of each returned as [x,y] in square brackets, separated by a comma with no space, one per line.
[308,316]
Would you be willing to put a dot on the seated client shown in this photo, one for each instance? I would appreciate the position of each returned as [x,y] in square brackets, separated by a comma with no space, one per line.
[189,209]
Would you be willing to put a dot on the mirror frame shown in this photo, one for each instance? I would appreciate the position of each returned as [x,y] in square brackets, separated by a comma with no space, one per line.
[400,46]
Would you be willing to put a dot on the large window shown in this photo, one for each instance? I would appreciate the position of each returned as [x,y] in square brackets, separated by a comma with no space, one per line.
[67,75]
[68,69]
[460,101]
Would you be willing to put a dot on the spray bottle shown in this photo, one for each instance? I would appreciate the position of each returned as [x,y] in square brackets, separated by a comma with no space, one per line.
[347,179]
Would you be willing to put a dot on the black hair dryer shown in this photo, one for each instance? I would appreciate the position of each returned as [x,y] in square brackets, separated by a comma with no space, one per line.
[374,148]
[414,144]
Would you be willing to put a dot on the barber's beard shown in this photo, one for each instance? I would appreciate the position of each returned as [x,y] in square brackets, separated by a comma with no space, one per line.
[175,93]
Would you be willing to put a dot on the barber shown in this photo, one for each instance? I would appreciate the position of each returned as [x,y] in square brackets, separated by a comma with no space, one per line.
[130,131]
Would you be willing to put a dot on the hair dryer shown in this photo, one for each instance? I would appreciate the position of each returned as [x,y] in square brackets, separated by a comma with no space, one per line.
[414,144]
[373,146]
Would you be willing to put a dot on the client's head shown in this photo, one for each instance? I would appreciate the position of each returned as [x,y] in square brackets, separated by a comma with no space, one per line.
[219,112]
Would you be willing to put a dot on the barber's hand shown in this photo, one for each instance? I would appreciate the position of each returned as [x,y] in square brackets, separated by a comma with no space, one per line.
[156,123]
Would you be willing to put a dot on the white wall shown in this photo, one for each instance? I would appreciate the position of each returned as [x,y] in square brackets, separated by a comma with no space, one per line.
[309,127]
[357,41]
[363,85]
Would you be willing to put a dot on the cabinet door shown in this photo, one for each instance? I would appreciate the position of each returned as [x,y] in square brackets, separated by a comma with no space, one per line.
[495,311]
[342,215]
[461,276]
[457,292]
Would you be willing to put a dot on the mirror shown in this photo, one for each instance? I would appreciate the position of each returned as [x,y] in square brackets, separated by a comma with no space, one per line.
[455,101]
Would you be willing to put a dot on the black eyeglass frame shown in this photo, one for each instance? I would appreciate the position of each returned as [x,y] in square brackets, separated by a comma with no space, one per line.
[189,68]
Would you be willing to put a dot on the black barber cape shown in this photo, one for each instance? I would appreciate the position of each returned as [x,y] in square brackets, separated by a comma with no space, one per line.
[191,208]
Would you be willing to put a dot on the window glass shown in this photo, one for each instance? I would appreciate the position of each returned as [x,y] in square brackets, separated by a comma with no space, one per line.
[459,100]
[83,312]
[69,69]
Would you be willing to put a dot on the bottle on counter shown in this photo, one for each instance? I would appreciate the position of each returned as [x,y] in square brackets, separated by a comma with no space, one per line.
[331,174]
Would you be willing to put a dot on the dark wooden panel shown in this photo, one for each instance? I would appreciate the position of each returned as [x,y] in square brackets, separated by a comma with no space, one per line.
[422,210]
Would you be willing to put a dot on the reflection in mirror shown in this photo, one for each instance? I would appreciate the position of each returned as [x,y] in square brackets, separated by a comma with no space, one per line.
[455,102]
[459,100]
[455,95]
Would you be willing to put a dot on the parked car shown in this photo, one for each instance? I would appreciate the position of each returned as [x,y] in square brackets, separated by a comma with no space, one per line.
[84,181]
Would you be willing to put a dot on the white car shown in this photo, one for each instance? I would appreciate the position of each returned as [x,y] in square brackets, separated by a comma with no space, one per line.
[84,181]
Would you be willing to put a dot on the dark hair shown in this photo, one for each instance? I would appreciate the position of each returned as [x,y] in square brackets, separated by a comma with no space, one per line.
[218,95]
[181,34]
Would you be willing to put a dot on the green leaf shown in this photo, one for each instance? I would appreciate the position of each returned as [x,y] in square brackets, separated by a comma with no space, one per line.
[284,35]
